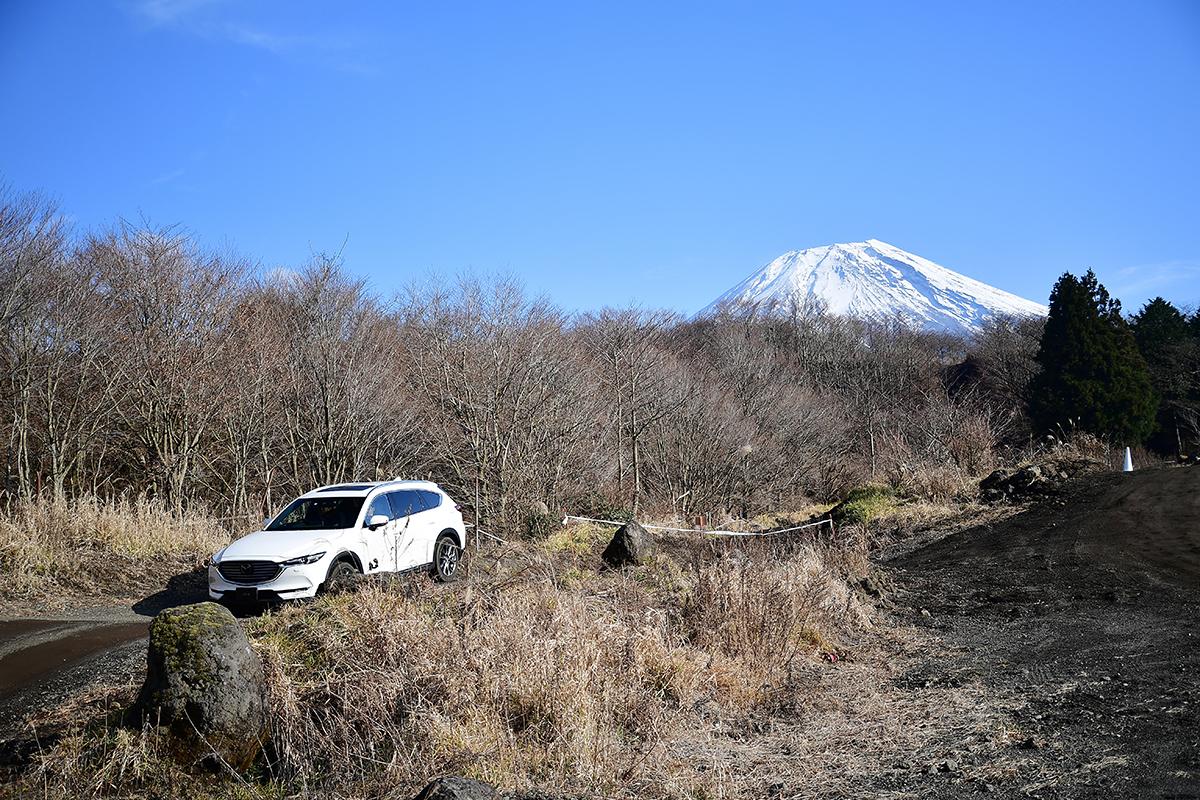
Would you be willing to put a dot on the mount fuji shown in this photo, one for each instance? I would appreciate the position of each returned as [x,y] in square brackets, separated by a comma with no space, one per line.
[873,280]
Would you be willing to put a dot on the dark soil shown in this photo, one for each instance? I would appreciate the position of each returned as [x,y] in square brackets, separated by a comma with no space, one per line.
[1080,617]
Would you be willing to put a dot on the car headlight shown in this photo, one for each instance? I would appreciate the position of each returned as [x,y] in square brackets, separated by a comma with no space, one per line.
[216,558]
[310,559]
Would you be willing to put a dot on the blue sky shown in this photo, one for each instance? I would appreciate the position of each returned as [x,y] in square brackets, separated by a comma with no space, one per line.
[609,152]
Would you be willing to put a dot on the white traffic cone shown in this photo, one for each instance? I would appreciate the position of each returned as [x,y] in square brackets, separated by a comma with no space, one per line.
[1128,466]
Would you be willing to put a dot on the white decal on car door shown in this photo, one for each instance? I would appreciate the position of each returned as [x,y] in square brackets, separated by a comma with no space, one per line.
[409,530]
[413,541]
[378,546]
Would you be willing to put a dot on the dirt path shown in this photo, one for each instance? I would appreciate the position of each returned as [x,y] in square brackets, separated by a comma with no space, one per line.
[1080,619]
[31,649]
[49,655]
[43,662]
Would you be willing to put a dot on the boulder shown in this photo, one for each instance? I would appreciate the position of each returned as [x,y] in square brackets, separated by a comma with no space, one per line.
[452,787]
[631,544]
[995,486]
[205,685]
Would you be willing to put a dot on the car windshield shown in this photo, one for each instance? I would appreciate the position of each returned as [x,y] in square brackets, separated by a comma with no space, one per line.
[318,513]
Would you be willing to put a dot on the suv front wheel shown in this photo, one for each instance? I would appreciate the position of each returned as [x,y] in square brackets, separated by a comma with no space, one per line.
[446,557]
[342,575]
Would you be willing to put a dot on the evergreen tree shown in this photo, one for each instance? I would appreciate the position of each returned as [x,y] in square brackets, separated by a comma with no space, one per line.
[1171,348]
[1091,373]
[1158,327]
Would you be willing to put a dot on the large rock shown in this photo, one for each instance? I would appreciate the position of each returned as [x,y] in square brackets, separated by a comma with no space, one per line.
[205,685]
[995,486]
[631,544]
[1036,481]
[453,787]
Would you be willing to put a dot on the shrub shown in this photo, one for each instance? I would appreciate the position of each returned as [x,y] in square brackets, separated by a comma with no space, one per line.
[599,506]
[864,504]
[581,538]
[539,525]
[763,618]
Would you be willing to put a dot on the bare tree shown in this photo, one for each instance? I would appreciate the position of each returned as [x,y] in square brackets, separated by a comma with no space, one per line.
[511,414]
[1001,366]
[171,307]
[137,362]
[630,345]
[32,245]
[76,382]
[344,379]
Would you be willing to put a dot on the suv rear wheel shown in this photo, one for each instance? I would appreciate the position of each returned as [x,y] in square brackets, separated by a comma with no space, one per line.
[446,557]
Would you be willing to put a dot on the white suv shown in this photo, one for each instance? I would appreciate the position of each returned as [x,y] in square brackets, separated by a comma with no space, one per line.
[330,534]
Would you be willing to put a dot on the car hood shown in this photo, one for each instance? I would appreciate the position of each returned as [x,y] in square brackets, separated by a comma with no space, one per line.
[280,545]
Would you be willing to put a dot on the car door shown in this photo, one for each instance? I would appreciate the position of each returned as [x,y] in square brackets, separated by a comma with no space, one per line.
[379,541]
[433,519]
[412,526]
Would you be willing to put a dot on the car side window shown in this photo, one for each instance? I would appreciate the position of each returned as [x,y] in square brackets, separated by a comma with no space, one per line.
[430,500]
[379,505]
[404,503]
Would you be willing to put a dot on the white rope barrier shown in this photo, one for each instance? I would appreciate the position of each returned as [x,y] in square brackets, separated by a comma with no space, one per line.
[819,522]
[491,536]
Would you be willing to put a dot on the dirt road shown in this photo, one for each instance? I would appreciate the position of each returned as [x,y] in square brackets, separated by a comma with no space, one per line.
[31,648]
[1081,617]
[46,657]
[44,661]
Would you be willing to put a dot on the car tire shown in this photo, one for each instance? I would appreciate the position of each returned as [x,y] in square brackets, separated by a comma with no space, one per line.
[447,557]
[342,576]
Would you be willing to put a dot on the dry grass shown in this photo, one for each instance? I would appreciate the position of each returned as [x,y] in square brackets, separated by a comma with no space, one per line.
[718,669]
[580,539]
[50,547]
[542,673]
[536,670]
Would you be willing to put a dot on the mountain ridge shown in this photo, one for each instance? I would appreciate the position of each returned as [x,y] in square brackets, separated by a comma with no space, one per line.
[873,280]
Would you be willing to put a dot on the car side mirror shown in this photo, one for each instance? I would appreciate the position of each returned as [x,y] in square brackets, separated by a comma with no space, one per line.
[378,521]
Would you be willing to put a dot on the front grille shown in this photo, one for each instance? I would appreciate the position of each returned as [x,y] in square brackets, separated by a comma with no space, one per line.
[249,572]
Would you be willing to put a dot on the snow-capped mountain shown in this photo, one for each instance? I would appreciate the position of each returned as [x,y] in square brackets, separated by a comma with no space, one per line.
[873,280]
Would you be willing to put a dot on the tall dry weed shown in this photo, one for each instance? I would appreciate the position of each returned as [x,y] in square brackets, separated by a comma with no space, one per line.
[593,685]
[522,680]
[514,685]
[759,618]
[49,544]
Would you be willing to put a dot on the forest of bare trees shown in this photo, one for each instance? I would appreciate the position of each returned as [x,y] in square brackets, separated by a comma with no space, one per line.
[137,363]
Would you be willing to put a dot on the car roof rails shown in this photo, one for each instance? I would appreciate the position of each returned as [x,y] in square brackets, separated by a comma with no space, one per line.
[419,481]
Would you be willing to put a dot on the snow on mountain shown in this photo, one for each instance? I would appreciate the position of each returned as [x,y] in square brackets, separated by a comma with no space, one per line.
[874,280]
